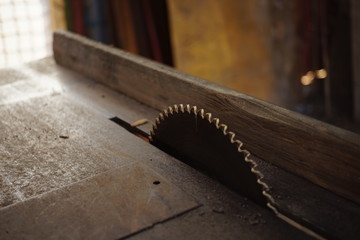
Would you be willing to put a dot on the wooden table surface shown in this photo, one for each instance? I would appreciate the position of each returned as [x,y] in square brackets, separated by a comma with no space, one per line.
[68,172]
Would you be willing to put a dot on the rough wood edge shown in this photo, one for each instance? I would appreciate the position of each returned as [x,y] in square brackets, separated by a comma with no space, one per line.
[319,152]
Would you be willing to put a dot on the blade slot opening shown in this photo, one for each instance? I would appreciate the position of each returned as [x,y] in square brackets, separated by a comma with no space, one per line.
[134,130]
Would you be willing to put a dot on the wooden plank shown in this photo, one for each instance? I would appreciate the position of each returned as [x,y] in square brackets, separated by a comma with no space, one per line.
[64,170]
[111,205]
[323,154]
[94,95]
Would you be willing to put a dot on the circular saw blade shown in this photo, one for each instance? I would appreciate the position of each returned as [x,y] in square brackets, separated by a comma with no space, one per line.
[198,139]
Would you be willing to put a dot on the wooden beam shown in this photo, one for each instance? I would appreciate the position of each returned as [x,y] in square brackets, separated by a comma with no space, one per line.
[319,152]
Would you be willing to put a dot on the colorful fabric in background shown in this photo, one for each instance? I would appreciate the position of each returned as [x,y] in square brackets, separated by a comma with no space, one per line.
[138,26]
[96,24]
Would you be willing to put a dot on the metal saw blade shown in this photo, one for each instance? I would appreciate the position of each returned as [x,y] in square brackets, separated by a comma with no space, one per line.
[198,139]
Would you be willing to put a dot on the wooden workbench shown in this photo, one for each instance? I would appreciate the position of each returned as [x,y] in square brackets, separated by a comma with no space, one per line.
[67,171]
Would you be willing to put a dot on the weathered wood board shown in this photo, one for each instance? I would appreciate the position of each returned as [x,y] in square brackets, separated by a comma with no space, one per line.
[110,205]
[63,166]
[100,98]
[319,152]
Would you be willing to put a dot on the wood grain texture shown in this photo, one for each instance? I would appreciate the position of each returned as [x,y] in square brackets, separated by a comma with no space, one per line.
[110,205]
[321,153]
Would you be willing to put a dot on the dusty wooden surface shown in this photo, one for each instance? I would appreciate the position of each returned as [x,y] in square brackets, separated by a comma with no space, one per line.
[67,171]
[319,152]
[110,205]
[50,143]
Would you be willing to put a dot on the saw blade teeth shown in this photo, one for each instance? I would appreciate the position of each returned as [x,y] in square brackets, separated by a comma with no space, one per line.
[265,186]
[223,128]
[181,108]
[152,132]
[208,117]
[216,122]
[257,172]
[202,112]
[194,110]
[271,206]
[231,136]
[268,196]
[188,108]
[239,144]
[271,201]
[170,110]
[247,155]
[176,108]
